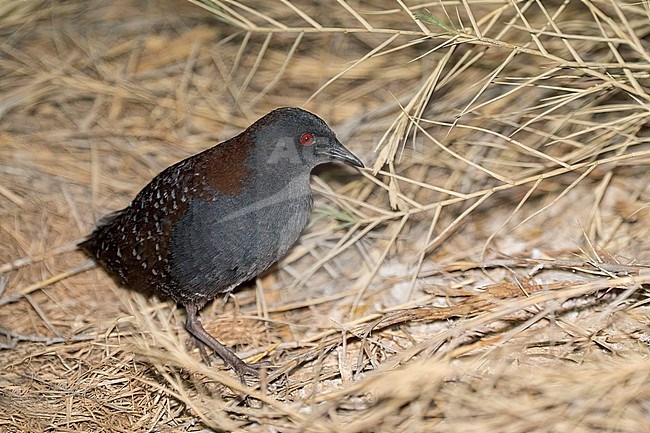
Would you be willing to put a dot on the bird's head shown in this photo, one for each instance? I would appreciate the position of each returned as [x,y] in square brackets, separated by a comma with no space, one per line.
[296,140]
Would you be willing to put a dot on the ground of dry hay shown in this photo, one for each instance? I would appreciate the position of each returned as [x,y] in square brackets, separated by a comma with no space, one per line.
[493,278]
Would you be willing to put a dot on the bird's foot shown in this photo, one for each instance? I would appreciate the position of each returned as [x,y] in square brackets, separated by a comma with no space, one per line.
[205,340]
[244,369]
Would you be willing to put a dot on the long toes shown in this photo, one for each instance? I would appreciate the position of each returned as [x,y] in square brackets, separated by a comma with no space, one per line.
[245,369]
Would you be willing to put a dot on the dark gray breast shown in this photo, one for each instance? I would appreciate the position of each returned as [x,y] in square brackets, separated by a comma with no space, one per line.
[220,243]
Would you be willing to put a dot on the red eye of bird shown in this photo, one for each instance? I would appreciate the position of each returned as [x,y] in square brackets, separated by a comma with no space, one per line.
[307,139]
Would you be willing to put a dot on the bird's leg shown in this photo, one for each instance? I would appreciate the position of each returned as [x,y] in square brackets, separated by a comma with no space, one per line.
[194,327]
[195,342]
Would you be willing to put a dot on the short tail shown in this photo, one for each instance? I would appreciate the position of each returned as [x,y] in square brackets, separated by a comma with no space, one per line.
[87,245]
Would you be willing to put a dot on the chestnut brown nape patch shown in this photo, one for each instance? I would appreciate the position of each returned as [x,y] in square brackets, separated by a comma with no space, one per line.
[225,168]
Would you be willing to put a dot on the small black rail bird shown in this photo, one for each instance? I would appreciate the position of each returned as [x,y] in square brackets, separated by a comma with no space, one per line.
[219,218]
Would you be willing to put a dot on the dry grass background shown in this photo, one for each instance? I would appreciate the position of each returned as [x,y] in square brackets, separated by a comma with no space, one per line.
[489,273]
